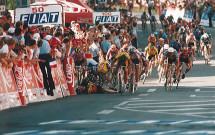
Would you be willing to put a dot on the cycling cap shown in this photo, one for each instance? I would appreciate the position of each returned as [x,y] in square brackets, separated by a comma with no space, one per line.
[171,50]
[166,46]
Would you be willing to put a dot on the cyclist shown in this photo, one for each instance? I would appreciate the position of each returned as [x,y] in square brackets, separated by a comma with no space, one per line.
[112,52]
[151,53]
[105,69]
[144,18]
[176,45]
[160,56]
[152,39]
[182,39]
[191,44]
[185,56]
[153,22]
[172,57]
[145,65]
[122,59]
[160,44]
[137,61]
[79,59]
[205,41]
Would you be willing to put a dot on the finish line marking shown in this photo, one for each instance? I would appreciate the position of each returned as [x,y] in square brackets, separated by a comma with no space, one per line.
[106,112]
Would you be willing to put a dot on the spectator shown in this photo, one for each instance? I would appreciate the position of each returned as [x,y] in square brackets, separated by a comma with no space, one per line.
[95,50]
[45,54]
[106,45]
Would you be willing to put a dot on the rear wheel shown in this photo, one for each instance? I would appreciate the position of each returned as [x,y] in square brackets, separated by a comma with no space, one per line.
[132,83]
[120,84]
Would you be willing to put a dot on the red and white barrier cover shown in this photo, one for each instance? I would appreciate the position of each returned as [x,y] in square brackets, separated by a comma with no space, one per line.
[4,104]
[31,85]
[62,79]
[57,91]
[10,87]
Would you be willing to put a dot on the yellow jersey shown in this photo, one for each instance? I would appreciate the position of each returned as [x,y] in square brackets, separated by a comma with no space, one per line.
[151,50]
[122,57]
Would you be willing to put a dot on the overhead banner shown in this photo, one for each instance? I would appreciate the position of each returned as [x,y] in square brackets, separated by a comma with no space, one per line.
[48,15]
[106,17]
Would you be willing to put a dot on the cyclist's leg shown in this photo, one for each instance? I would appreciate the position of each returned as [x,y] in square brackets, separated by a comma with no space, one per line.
[137,66]
[125,75]
[208,49]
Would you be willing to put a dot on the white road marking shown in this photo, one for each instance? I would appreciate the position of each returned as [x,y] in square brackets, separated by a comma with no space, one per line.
[166,132]
[21,132]
[114,122]
[132,132]
[51,122]
[143,94]
[192,95]
[197,90]
[177,122]
[204,96]
[106,112]
[135,98]
[147,122]
[151,90]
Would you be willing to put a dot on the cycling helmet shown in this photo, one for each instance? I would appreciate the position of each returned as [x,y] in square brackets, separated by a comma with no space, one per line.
[113,46]
[171,50]
[155,33]
[166,47]
[164,36]
[132,49]
[205,35]
[77,50]
[152,35]
[161,39]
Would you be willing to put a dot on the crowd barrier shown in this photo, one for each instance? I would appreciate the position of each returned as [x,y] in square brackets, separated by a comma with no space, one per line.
[23,84]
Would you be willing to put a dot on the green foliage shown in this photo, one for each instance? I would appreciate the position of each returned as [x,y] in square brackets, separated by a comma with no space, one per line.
[11,4]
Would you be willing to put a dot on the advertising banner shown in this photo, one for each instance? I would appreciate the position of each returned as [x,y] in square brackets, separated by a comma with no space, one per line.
[106,17]
[69,70]
[47,15]
[57,91]
[188,15]
[19,76]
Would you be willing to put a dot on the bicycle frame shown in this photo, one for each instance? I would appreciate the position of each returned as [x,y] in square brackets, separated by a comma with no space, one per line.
[169,78]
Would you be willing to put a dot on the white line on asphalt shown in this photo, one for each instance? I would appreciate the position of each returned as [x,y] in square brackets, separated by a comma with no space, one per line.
[106,112]
[174,106]
[179,122]
[183,109]
[147,122]
[151,90]
[114,122]
[166,132]
[200,113]
[203,96]
[21,132]
[132,132]
[192,95]
[178,102]
[135,98]
[197,90]
[143,94]
[51,122]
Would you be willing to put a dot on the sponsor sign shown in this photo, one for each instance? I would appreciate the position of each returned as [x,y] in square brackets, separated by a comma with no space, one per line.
[106,17]
[49,15]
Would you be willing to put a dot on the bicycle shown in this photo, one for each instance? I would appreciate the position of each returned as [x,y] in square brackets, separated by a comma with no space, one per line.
[169,78]
[120,77]
[198,50]
[79,73]
[206,55]
[132,79]
[153,25]
[161,72]
[180,74]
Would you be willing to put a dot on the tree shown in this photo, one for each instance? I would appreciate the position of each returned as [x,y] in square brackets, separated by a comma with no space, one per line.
[11,4]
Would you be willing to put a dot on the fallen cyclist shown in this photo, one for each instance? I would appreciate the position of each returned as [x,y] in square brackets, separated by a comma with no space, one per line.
[88,86]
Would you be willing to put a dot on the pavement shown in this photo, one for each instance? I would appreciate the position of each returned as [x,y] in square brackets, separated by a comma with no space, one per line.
[190,109]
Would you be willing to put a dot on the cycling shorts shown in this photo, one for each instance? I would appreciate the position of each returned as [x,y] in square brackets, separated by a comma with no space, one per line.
[79,63]
[151,56]
[185,60]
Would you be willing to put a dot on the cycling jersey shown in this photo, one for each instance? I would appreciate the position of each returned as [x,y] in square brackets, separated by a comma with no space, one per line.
[122,58]
[78,56]
[207,41]
[135,58]
[172,57]
[151,50]
[184,57]
[151,40]
[176,46]
[104,66]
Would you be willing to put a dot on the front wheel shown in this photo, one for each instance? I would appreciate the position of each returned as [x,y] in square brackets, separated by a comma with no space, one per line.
[132,83]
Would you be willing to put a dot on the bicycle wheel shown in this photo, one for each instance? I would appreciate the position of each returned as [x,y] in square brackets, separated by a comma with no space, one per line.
[180,74]
[167,81]
[120,84]
[132,83]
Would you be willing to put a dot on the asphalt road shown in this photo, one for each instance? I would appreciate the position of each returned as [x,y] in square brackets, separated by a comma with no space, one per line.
[190,109]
